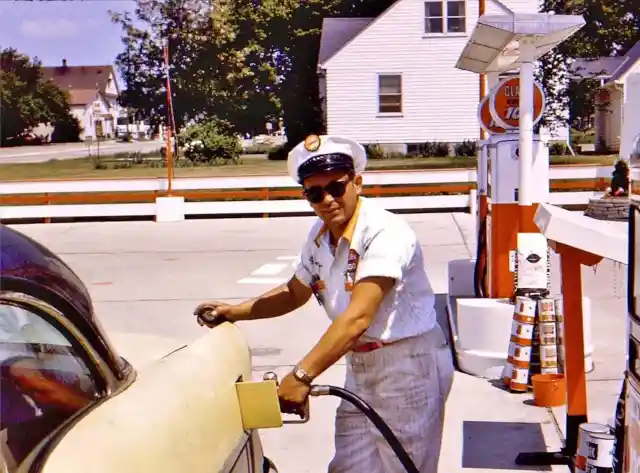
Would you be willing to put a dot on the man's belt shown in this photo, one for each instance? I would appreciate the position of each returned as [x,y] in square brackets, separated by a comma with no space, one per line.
[369,346]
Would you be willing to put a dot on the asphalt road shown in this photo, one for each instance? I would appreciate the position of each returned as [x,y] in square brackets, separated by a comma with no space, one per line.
[146,278]
[38,154]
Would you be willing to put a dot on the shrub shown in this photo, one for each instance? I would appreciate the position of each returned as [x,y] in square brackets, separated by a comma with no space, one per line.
[434,149]
[260,149]
[279,153]
[66,130]
[465,148]
[375,152]
[558,148]
[207,143]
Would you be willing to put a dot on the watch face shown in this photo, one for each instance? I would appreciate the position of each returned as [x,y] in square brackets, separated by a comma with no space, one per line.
[301,375]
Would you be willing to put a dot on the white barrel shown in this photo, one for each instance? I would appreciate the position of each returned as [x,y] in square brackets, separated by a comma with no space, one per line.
[519,379]
[548,333]
[595,448]
[521,333]
[546,310]
[550,370]
[519,355]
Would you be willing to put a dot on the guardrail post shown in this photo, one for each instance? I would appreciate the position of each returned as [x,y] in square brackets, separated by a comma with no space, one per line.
[48,202]
[265,191]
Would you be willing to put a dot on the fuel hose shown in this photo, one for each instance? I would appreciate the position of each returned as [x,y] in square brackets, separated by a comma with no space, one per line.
[374,417]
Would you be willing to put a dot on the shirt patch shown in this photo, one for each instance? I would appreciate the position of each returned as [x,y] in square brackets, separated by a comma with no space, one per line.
[352,267]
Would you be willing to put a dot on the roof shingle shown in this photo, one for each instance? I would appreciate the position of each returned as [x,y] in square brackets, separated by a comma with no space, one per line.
[81,82]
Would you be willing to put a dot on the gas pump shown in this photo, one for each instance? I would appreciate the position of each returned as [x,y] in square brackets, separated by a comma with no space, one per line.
[498,184]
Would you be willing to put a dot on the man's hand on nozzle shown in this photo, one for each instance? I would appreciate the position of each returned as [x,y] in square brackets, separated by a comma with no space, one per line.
[214,313]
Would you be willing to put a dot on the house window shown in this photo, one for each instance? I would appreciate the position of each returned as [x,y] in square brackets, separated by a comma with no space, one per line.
[445,16]
[390,93]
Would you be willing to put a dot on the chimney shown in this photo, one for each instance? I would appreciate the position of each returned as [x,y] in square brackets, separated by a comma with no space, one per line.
[64,63]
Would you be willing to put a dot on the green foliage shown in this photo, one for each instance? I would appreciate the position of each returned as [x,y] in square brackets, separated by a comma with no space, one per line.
[375,152]
[215,70]
[279,153]
[465,148]
[206,143]
[28,100]
[433,149]
[232,60]
[67,129]
[558,148]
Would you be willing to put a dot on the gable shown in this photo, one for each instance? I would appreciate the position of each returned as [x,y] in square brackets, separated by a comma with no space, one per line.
[352,29]
[336,33]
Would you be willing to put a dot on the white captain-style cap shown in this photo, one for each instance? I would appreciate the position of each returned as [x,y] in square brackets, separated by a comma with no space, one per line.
[325,153]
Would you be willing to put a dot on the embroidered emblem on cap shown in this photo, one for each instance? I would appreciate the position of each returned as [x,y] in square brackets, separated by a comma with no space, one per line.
[312,143]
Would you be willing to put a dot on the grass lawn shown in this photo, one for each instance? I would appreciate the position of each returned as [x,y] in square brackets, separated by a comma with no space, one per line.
[251,165]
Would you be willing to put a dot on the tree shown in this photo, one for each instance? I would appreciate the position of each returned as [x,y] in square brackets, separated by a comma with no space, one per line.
[215,71]
[26,99]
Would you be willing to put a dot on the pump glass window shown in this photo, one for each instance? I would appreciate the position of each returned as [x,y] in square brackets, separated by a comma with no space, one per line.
[43,381]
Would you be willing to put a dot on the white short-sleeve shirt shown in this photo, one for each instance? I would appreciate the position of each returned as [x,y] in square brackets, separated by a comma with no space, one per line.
[375,243]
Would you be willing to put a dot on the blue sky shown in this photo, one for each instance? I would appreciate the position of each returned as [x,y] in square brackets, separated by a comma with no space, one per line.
[80,31]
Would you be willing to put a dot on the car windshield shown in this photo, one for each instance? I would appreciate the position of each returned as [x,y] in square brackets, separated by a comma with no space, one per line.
[43,380]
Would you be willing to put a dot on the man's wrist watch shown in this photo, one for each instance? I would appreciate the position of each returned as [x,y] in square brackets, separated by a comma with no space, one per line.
[302,376]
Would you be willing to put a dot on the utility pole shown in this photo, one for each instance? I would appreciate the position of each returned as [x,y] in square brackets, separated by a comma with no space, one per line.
[170,121]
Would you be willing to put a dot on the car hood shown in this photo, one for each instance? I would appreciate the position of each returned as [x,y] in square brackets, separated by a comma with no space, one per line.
[141,350]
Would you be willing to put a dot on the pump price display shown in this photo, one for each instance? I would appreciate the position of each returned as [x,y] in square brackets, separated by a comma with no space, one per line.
[504,102]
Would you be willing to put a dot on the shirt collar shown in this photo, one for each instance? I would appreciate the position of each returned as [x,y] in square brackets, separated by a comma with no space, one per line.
[348,232]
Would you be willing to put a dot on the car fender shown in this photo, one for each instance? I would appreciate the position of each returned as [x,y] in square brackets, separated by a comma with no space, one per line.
[181,414]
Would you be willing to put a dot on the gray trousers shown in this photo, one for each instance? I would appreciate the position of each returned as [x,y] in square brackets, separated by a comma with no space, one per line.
[407,383]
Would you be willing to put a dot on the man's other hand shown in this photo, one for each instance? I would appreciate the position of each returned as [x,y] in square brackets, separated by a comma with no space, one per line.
[214,313]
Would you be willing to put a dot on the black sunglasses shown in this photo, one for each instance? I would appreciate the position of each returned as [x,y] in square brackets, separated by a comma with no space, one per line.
[335,189]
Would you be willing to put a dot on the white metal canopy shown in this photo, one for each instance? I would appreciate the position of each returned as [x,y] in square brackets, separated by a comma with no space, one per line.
[494,45]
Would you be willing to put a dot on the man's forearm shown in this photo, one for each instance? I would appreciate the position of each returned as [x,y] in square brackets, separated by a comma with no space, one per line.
[274,303]
[341,337]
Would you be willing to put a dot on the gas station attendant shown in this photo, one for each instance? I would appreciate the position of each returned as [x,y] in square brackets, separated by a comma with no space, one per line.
[365,267]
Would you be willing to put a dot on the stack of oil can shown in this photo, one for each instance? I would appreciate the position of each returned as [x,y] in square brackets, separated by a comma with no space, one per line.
[537,341]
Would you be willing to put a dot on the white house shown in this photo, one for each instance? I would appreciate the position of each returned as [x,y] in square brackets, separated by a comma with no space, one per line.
[613,73]
[392,80]
[93,96]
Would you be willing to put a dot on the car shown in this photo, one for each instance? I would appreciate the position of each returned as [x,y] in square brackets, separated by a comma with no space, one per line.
[69,403]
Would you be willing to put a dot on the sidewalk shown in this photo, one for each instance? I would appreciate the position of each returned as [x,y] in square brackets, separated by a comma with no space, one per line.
[606,287]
